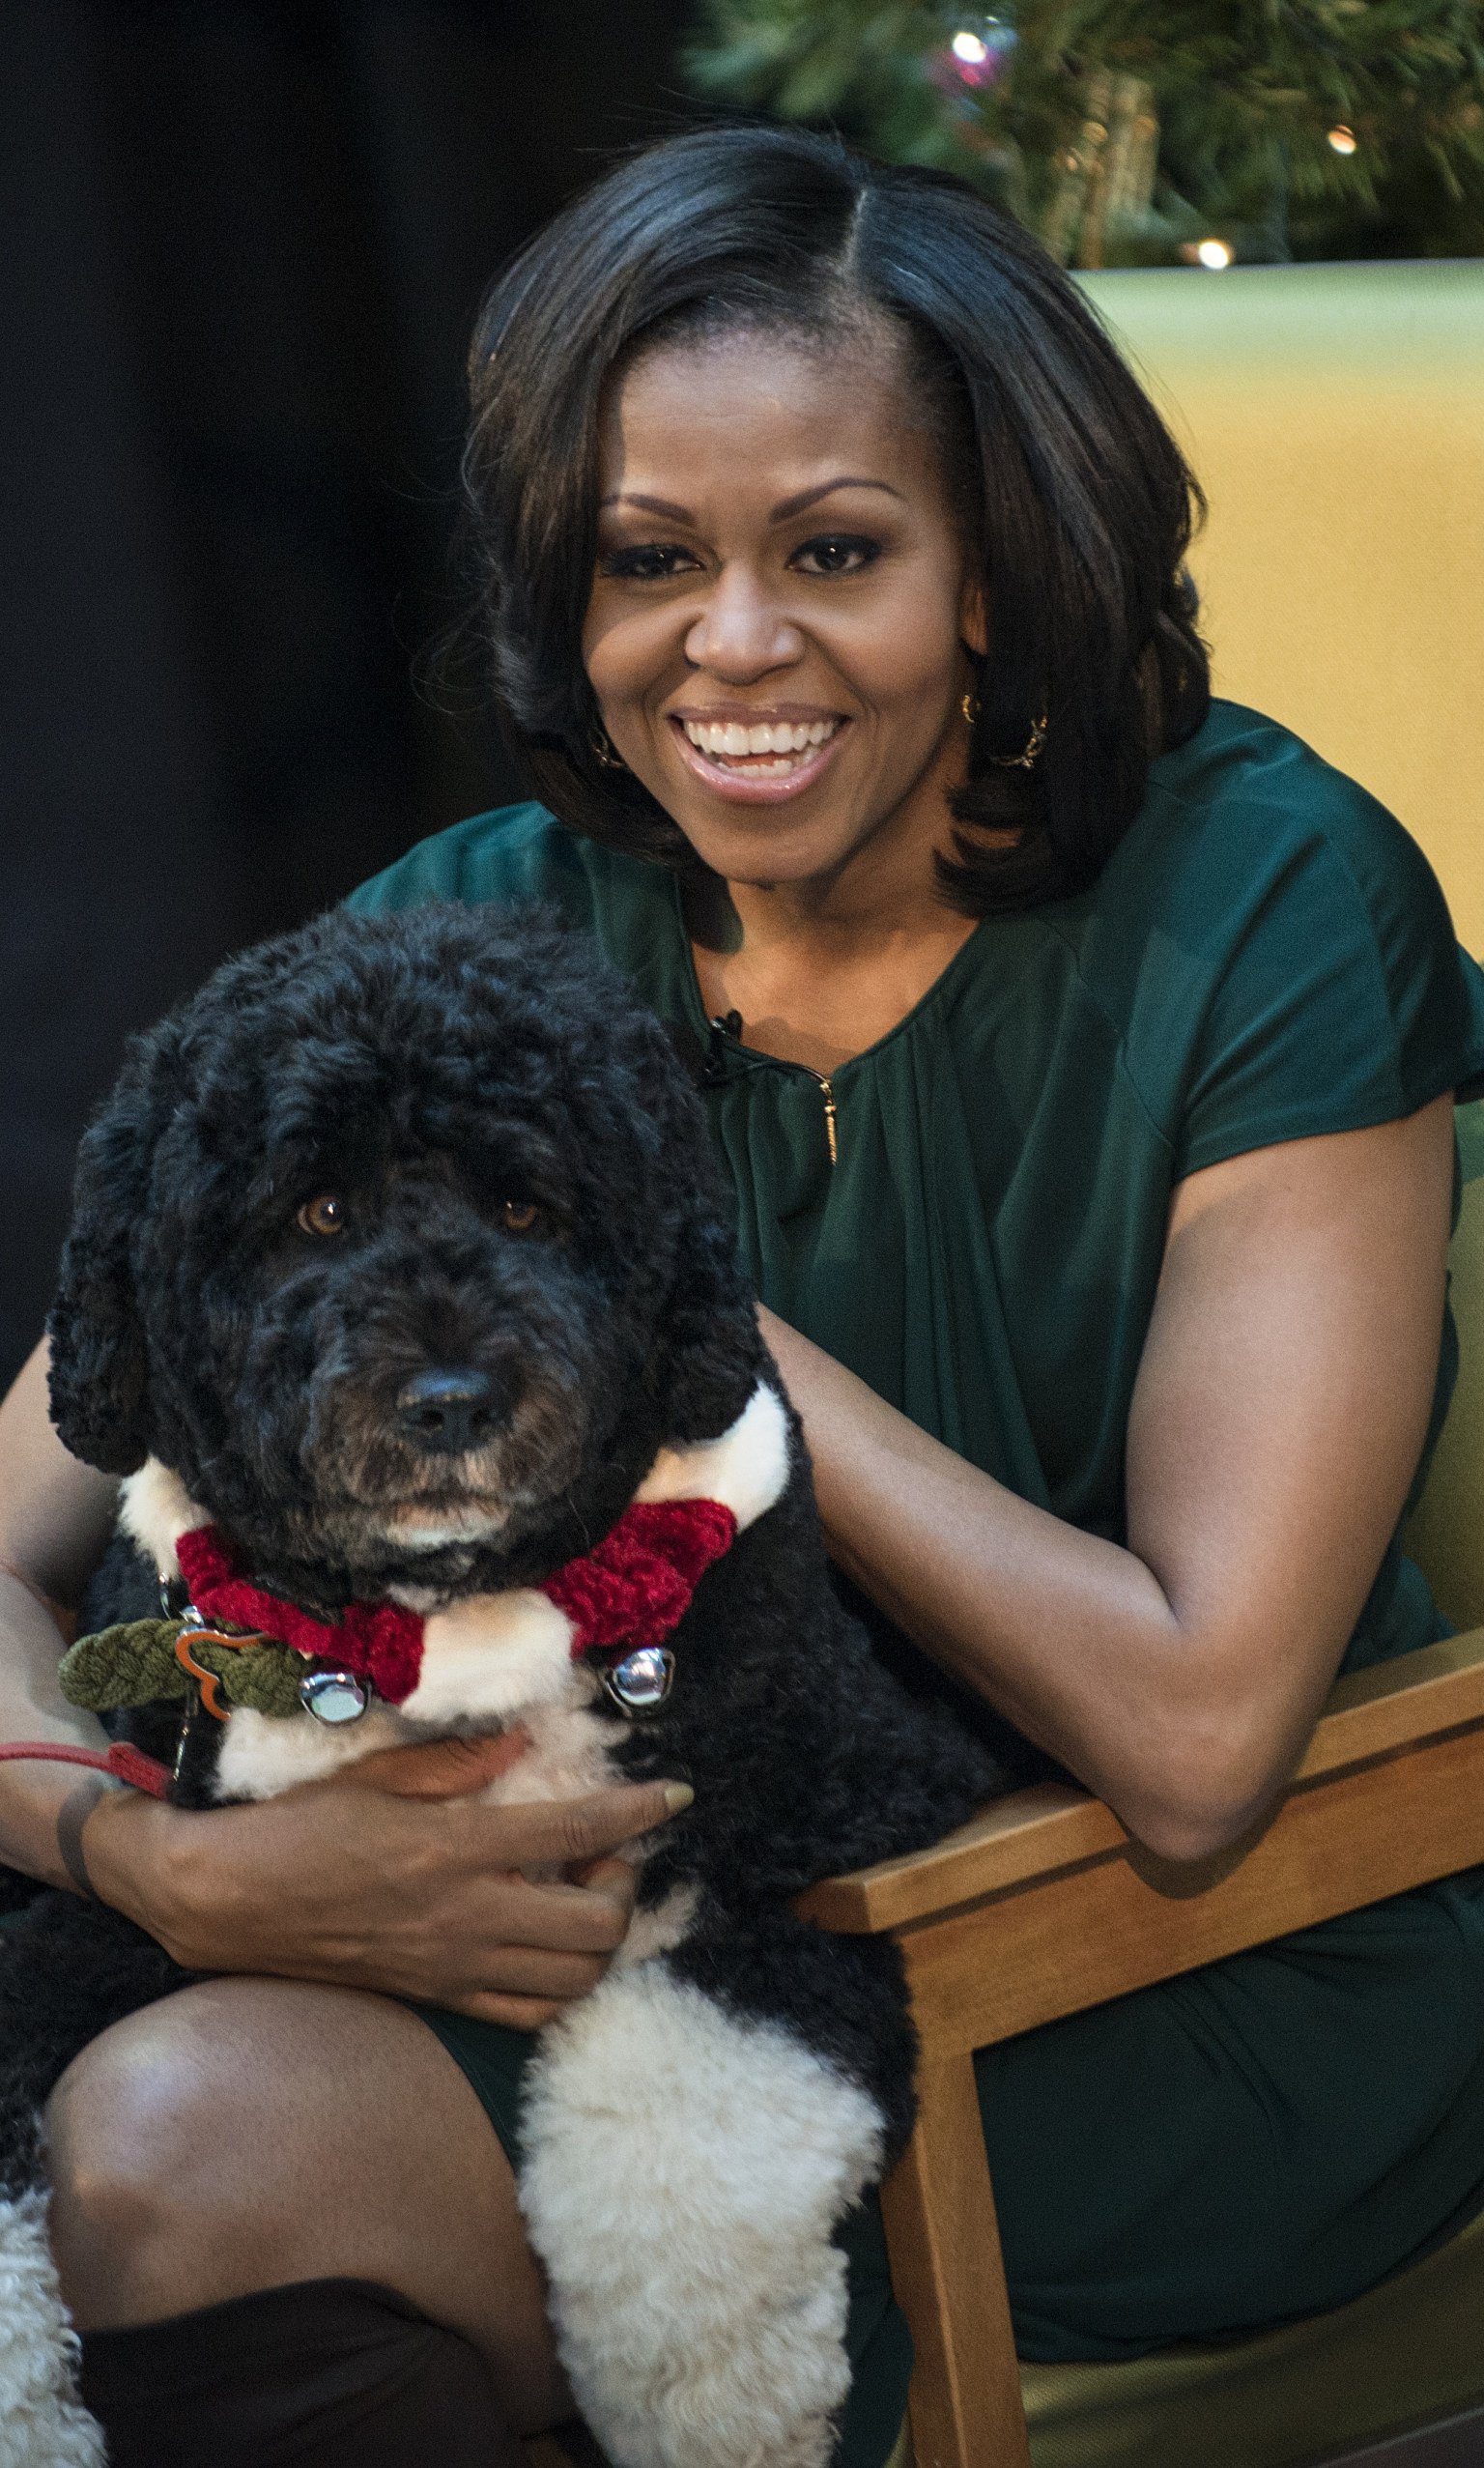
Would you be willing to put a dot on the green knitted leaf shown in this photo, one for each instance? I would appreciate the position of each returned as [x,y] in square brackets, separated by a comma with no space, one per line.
[130,1665]
[134,1664]
[264,1678]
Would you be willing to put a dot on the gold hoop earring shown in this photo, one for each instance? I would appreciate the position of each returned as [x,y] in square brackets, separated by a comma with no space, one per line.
[602,746]
[969,706]
[1025,759]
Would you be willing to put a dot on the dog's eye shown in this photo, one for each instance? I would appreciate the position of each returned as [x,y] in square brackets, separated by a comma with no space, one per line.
[520,1214]
[325,1215]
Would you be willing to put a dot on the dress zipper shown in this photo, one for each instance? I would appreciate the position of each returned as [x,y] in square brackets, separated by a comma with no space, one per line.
[726,1027]
[828,1094]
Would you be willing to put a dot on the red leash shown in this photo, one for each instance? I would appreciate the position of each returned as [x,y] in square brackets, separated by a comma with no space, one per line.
[128,1764]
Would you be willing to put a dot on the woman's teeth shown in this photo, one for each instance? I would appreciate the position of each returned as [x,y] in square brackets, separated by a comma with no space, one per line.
[729,742]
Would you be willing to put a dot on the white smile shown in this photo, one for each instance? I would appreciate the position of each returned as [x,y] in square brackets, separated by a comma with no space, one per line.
[767,746]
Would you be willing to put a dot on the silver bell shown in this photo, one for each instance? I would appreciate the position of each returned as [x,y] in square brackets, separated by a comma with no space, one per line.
[335,1696]
[641,1684]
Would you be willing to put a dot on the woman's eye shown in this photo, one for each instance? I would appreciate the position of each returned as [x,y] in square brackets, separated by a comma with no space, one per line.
[654,563]
[327,1215]
[518,1215]
[839,553]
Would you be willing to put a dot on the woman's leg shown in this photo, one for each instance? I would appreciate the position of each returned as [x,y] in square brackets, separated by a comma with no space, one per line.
[247,2134]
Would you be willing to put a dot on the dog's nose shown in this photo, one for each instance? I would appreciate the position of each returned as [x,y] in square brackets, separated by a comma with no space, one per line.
[448,1410]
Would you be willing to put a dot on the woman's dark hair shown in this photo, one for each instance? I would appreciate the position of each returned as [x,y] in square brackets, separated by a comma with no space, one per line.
[1077,501]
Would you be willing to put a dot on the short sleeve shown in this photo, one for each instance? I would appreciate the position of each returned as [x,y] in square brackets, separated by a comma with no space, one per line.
[1337,996]
[519,853]
[523,854]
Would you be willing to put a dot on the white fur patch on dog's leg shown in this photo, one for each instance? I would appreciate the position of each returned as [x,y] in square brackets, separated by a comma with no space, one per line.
[42,2423]
[683,2173]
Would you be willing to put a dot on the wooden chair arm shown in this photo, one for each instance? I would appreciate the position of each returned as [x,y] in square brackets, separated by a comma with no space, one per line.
[1039,1833]
[1043,1905]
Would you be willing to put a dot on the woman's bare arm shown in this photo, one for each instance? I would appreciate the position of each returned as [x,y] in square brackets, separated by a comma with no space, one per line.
[55,1516]
[391,1877]
[1277,1419]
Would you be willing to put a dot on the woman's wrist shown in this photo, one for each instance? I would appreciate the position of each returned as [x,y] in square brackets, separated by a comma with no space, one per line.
[117,1841]
[71,1816]
[33,1795]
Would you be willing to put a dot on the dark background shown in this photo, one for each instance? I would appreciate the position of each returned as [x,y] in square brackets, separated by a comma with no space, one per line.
[241,251]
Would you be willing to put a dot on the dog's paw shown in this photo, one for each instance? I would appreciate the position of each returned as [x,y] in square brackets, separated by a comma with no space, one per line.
[684,2172]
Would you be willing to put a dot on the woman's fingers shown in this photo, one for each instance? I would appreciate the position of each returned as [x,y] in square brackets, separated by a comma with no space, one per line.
[529,1971]
[419,1897]
[512,2012]
[437,1768]
[532,1971]
[564,1832]
[567,1833]
[536,1982]
[617,1873]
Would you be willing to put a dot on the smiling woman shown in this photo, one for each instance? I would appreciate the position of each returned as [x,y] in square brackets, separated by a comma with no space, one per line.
[862,631]
[1082,1055]
[942,411]
[792,697]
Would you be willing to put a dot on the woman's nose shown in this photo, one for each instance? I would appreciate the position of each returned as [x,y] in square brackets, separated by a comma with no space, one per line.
[742,631]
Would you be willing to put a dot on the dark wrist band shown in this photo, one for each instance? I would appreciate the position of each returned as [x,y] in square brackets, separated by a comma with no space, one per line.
[71,1816]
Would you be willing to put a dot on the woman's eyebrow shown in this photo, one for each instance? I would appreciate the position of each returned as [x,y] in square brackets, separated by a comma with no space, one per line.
[650,504]
[790,505]
[786,509]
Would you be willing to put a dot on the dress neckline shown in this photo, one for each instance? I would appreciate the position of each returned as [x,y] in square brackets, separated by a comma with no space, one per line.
[701,1017]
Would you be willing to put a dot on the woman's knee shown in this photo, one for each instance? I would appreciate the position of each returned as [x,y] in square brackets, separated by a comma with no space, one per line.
[124,2130]
[160,2148]
[247,2134]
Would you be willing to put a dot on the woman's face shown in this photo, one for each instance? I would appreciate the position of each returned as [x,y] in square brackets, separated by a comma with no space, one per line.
[777,629]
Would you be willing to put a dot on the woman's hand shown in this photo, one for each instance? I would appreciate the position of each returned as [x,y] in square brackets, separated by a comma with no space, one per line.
[1281,1408]
[391,1875]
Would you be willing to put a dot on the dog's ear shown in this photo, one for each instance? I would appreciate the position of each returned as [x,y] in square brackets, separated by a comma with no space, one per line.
[709,1354]
[99,1364]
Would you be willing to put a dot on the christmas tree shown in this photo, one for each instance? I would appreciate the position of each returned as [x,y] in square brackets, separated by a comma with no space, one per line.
[1143,132]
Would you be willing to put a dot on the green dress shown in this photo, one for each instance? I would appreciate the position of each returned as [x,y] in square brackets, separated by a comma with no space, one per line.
[1266,957]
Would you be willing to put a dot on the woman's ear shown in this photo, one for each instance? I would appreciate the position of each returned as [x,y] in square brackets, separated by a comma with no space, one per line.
[99,1361]
[974,618]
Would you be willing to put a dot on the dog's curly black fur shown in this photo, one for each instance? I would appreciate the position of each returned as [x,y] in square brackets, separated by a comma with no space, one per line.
[431,1067]
[445,1074]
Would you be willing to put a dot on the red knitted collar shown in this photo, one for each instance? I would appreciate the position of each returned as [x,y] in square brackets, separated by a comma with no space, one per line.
[630,1590]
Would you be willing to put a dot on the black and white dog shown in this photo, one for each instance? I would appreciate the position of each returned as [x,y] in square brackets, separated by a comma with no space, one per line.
[402,1288]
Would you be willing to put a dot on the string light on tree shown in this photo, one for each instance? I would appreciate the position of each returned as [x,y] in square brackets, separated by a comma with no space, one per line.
[977,54]
[1214,254]
[1124,132]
